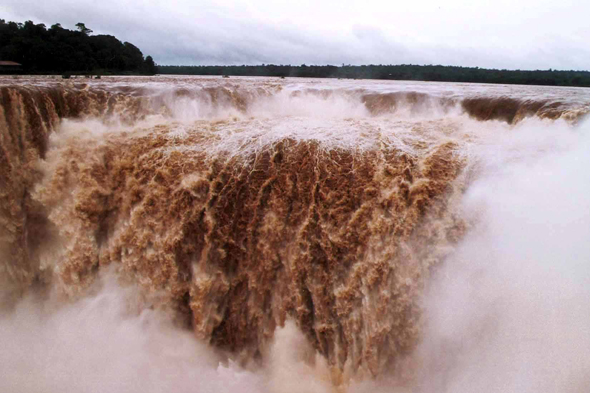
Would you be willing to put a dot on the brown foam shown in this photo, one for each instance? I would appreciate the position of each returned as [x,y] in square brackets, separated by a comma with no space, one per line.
[337,240]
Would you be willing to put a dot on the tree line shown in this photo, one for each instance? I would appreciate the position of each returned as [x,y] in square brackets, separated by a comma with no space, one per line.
[58,50]
[433,73]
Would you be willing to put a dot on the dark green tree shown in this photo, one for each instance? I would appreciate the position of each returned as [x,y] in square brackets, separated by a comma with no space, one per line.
[83,29]
[59,50]
[150,67]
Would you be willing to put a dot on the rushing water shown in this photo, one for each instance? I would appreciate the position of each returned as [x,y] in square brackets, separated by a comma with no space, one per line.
[258,234]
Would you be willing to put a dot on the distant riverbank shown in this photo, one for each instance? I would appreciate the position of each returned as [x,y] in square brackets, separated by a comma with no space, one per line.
[432,73]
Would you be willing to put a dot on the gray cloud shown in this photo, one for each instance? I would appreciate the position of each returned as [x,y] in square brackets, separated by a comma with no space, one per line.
[181,32]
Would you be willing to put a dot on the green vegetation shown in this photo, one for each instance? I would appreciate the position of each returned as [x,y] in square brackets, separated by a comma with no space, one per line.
[61,51]
[395,72]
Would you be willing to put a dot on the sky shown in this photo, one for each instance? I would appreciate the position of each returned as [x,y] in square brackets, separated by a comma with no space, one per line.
[510,34]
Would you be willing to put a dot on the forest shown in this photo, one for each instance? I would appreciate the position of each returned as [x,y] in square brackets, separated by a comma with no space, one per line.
[437,73]
[56,50]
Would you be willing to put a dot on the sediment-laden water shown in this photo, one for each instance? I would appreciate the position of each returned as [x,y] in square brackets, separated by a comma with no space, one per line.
[259,234]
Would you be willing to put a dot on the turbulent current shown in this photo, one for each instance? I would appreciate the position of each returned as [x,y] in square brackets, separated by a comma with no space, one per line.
[290,235]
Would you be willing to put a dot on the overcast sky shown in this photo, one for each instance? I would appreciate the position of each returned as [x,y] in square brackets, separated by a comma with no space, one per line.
[524,34]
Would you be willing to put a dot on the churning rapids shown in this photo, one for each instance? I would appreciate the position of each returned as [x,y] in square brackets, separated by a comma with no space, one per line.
[196,234]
